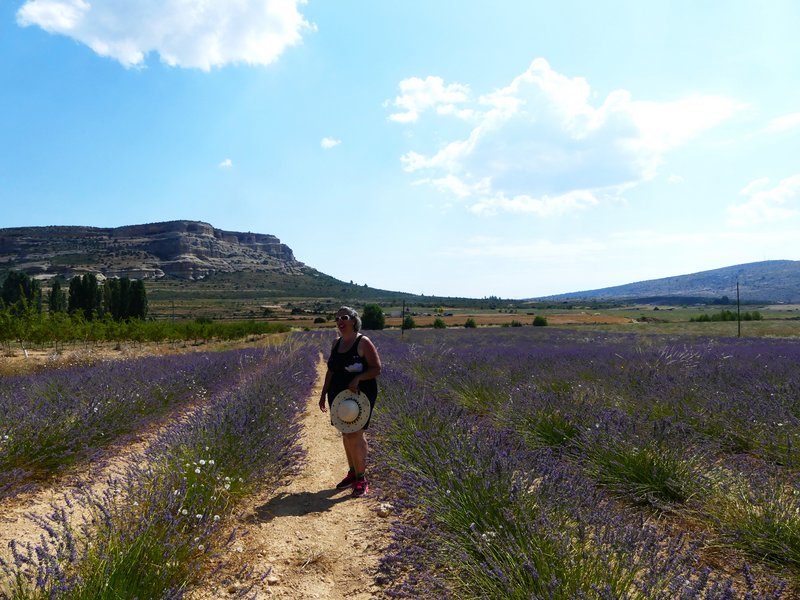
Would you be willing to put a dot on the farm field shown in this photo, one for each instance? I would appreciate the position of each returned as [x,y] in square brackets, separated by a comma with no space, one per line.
[251,300]
[557,464]
[231,428]
[548,462]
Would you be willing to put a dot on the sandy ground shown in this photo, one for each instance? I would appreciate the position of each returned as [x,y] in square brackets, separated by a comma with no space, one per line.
[307,540]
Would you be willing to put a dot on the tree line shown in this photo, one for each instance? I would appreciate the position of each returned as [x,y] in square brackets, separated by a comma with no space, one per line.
[90,311]
[728,315]
[119,299]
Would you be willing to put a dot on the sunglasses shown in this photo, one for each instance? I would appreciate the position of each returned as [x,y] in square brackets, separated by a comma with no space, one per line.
[343,317]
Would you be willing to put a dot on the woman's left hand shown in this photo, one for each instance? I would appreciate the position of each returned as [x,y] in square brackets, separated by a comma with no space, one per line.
[353,387]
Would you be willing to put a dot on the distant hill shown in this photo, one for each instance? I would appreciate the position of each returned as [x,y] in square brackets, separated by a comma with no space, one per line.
[194,260]
[766,281]
[182,249]
[176,258]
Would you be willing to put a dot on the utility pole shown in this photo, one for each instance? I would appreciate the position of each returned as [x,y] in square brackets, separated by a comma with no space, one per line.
[738,310]
[403,319]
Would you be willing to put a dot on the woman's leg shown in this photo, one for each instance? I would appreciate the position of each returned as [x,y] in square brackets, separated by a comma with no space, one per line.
[348,453]
[356,449]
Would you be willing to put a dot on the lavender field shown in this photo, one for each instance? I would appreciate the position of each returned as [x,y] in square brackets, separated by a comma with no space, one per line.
[149,531]
[535,463]
[56,418]
[521,463]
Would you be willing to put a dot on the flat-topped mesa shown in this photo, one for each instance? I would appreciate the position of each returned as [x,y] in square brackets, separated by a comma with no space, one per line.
[184,249]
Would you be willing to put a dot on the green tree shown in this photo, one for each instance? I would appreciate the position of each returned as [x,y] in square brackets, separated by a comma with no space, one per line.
[137,303]
[539,321]
[439,323]
[85,296]
[372,317]
[57,299]
[111,298]
[408,322]
[470,323]
[20,292]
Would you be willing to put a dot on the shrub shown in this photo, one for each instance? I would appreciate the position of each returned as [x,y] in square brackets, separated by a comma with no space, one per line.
[408,322]
[372,317]
[319,320]
[470,324]
[439,323]
[539,321]
[763,523]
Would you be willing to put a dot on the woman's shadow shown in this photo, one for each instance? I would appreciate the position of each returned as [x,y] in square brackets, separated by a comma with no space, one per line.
[299,504]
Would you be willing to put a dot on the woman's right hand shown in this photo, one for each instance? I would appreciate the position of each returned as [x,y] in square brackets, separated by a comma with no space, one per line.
[323,406]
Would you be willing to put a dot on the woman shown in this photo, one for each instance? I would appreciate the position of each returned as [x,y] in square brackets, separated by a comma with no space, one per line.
[353,364]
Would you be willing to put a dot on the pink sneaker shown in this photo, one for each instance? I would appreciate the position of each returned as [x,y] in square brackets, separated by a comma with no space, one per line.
[360,487]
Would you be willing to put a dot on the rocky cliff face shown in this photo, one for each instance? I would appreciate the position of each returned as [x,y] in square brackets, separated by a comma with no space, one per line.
[183,249]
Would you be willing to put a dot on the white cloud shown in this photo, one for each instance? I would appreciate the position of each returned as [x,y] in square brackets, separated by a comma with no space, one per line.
[226,164]
[765,204]
[784,123]
[418,95]
[53,15]
[675,178]
[539,250]
[328,143]
[542,145]
[201,35]
[545,206]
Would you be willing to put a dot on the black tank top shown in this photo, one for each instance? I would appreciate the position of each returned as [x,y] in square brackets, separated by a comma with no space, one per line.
[345,366]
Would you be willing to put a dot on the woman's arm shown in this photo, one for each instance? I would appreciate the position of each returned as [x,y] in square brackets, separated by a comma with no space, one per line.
[367,351]
[323,406]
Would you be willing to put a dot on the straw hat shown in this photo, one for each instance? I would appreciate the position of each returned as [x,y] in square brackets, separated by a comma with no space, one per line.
[349,411]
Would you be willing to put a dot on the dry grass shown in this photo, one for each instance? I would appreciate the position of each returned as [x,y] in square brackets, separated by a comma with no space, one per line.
[16,361]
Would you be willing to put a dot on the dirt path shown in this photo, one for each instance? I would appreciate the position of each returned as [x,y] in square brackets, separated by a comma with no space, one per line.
[313,541]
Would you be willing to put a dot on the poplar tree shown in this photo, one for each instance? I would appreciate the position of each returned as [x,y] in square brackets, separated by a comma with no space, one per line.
[137,306]
[57,299]
[85,296]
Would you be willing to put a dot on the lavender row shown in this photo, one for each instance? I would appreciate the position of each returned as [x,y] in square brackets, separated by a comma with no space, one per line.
[736,395]
[486,517]
[54,418]
[476,418]
[152,528]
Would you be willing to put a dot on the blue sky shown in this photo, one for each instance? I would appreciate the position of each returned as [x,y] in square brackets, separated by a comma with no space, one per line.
[454,147]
